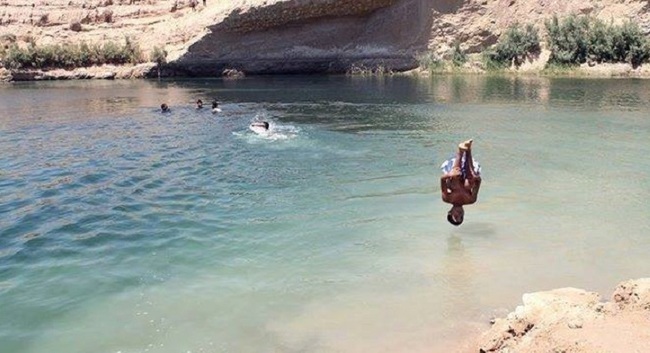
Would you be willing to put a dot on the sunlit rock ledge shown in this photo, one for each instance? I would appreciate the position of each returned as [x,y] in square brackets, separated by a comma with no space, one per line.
[575,320]
[104,72]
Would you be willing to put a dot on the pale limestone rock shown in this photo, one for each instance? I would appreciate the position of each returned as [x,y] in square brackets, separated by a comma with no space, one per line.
[633,293]
[5,75]
[574,320]
[135,71]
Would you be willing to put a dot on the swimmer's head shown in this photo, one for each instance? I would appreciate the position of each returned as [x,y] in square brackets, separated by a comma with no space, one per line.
[214,104]
[164,107]
[455,215]
[199,103]
[266,125]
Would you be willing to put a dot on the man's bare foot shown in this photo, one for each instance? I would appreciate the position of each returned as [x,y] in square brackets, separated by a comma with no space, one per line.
[464,146]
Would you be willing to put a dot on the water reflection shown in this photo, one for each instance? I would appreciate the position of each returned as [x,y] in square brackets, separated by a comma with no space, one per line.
[535,90]
[93,98]
[458,272]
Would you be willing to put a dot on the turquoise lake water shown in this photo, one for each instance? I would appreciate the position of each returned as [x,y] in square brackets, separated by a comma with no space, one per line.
[125,230]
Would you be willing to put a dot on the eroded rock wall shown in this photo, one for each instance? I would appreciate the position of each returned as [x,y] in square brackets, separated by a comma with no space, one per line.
[314,37]
[286,12]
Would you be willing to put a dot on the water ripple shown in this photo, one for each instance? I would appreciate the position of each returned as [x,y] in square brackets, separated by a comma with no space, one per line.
[188,228]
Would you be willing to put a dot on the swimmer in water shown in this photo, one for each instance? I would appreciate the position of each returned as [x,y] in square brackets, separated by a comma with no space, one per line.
[215,107]
[461,182]
[260,124]
[199,104]
[164,108]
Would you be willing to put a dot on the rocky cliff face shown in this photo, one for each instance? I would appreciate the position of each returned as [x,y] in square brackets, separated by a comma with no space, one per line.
[313,37]
[295,36]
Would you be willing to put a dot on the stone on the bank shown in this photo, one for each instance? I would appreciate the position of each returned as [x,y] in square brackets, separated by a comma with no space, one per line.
[556,321]
[633,293]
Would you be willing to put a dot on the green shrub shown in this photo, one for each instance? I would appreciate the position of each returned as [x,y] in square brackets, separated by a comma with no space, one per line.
[15,57]
[131,52]
[631,45]
[71,55]
[84,55]
[601,42]
[158,55]
[568,39]
[458,56]
[576,39]
[491,61]
[514,46]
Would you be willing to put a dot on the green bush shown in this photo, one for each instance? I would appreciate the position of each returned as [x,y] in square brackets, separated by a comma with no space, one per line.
[132,52]
[158,55]
[85,55]
[458,56]
[601,42]
[630,44]
[513,47]
[14,56]
[568,39]
[576,39]
[112,53]
[69,56]
[491,62]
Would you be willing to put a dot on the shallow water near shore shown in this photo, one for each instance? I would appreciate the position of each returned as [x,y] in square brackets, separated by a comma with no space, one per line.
[126,230]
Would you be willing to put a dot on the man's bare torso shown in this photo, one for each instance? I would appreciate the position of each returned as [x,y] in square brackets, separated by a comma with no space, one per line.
[459,191]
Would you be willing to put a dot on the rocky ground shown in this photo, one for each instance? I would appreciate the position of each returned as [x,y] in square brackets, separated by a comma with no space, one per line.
[148,22]
[570,320]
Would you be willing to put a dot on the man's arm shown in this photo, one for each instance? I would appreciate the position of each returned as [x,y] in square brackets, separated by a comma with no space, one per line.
[476,185]
[444,187]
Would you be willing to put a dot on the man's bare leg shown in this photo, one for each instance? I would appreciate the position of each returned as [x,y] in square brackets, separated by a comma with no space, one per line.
[455,169]
[469,164]
[463,148]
